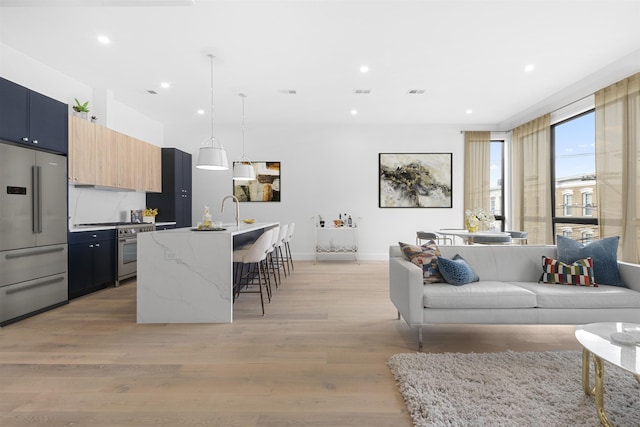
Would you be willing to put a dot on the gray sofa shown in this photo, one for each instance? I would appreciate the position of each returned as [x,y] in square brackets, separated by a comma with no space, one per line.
[508,291]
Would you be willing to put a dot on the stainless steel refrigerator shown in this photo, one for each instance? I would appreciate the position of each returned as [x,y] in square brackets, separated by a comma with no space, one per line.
[33,231]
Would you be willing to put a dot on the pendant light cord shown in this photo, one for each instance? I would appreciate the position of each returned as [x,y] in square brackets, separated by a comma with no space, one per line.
[211,57]
[243,96]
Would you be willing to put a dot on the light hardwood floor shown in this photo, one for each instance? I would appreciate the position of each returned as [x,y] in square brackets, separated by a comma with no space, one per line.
[318,358]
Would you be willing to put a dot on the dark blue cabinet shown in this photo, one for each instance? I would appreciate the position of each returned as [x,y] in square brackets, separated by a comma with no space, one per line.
[14,104]
[174,203]
[92,261]
[33,119]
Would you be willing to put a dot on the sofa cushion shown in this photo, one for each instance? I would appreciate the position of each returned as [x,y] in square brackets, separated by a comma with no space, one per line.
[512,263]
[456,271]
[555,272]
[604,253]
[585,297]
[425,257]
[483,294]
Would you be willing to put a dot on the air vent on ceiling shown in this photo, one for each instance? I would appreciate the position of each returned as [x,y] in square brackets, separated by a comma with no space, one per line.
[288,91]
[415,91]
[152,92]
[362,91]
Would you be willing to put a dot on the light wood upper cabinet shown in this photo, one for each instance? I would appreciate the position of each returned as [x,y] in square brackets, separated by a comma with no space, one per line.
[127,163]
[82,151]
[151,168]
[106,158]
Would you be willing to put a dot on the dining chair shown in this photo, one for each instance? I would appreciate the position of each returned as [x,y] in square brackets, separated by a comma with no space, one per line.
[519,237]
[427,235]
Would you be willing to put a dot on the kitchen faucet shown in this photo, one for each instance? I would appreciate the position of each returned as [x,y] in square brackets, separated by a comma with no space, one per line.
[237,202]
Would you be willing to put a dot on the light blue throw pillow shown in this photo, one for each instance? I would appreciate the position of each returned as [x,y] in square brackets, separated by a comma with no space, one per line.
[604,253]
[456,271]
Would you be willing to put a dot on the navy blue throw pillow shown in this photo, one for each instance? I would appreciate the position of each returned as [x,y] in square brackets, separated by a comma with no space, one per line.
[456,271]
[604,253]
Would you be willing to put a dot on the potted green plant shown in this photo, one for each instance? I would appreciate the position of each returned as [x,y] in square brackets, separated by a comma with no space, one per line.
[81,109]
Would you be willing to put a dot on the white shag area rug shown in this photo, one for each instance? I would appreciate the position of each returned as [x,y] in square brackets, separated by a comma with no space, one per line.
[510,389]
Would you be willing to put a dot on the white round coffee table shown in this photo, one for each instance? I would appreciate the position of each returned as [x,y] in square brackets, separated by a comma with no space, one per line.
[616,342]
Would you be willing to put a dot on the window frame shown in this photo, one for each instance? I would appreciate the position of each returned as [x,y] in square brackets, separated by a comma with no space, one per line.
[501,218]
[558,220]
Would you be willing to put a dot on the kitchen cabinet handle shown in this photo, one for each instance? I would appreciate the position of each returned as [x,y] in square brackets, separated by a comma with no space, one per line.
[97,245]
[25,139]
[90,246]
[35,141]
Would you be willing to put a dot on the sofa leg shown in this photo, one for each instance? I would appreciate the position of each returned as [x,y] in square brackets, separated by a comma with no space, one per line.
[398,315]
[419,338]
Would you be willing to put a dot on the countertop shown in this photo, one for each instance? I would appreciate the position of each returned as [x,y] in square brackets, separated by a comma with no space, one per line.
[228,228]
[77,229]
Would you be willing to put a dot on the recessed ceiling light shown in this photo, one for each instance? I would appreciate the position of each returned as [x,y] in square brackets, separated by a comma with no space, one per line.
[151,92]
[469,111]
[104,39]
[529,67]
[201,112]
[354,112]
[165,85]
[364,69]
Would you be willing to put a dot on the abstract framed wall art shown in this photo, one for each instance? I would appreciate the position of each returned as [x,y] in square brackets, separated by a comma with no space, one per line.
[266,186]
[415,180]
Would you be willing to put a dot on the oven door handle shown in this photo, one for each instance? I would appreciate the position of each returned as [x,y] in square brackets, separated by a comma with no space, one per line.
[128,240]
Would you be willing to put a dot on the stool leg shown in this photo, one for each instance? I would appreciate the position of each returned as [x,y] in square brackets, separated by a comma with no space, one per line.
[288,252]
[260,286]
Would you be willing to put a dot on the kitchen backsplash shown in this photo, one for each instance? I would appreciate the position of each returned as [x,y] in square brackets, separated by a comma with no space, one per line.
[90,205]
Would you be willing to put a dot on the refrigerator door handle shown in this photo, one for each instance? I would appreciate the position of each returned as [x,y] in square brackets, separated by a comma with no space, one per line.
[37,199]
[46,282]
[34,199]
[34,252]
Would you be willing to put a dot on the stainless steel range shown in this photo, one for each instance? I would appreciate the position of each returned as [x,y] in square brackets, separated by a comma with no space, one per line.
[127,235]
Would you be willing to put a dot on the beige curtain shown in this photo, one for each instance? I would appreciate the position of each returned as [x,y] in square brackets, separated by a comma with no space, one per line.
[477,164]
[531,174]
[618,164]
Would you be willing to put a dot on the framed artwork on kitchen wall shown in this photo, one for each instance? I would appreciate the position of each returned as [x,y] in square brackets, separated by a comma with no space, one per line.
[266,186]
[415,180]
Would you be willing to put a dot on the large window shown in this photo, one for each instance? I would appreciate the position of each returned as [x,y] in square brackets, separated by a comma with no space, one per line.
[497,180]
[573,167]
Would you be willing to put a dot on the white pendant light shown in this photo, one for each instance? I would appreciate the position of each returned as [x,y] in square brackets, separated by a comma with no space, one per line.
[243,169]
[212,156]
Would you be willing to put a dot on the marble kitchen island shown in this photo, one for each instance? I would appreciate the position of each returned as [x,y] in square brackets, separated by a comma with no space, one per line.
[186,276]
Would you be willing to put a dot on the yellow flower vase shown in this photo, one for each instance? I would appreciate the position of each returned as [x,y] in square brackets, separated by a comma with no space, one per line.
[471,228]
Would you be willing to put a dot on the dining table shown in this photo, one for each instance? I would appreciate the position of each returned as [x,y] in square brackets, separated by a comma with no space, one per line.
[468,237]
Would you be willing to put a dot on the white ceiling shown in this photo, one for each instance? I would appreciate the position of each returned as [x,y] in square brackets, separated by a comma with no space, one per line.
[463,54]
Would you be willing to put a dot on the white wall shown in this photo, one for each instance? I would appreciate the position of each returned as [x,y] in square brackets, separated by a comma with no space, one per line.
[326,170]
